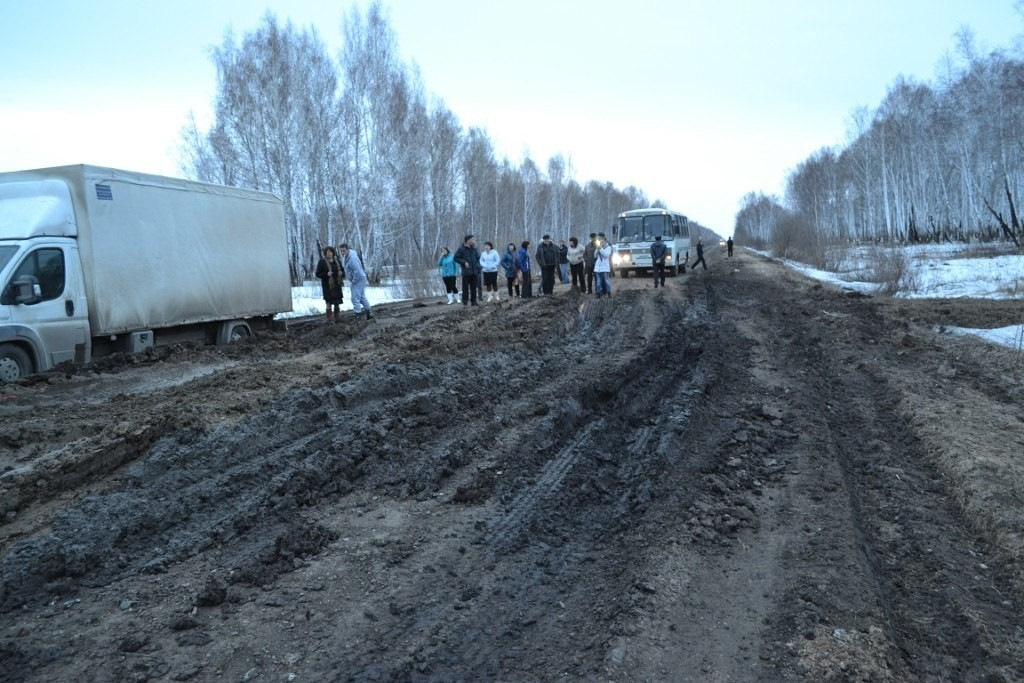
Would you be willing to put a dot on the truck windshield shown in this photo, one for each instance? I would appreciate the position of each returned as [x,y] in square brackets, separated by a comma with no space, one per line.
[642,228]
[6,252]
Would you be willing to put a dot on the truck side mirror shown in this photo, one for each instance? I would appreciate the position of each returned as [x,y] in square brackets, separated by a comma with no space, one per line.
[27,290]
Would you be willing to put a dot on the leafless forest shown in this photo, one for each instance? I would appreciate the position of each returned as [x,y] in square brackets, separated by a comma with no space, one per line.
[939,161]
[360,151]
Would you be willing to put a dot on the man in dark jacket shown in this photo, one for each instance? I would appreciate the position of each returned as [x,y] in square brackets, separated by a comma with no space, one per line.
[658,253]
[589,257]
[469,258]
[547,259]
[700,256]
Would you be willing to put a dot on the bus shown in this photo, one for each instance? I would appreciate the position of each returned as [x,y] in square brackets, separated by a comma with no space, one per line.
[634,232]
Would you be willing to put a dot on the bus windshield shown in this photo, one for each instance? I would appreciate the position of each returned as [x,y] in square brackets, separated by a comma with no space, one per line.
[643,228]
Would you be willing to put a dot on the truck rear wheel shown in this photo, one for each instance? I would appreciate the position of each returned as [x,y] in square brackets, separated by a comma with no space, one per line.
[233,331]
[14,363]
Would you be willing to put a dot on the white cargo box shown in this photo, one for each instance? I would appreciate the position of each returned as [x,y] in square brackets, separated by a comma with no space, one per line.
[158,252]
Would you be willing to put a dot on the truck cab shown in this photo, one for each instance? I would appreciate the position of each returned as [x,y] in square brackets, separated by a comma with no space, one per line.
[44,316]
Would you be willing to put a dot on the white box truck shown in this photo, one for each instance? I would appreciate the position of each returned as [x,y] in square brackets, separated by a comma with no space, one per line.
[96,260]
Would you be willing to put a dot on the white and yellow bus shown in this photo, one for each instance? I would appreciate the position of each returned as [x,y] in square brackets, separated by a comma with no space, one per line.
[635,231]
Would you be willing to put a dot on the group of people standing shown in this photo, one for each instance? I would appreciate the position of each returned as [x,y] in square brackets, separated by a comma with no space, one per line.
[332,270]
[586,266]
[478,269]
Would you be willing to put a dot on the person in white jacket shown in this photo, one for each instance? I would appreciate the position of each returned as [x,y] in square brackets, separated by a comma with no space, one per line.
[357,280]
[575,256]
[489,262]
[602,266]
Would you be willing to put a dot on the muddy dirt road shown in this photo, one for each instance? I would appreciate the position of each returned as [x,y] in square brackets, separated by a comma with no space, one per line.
[742,476]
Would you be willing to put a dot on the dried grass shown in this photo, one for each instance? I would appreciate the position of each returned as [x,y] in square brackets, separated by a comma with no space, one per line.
[417,282]
[892,270]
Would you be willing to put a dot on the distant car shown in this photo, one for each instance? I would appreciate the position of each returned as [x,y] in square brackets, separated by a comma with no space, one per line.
[721,243]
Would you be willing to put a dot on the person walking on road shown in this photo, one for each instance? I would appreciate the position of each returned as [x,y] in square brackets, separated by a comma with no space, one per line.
[508,264]
[658,253]
[469,258]
[357,280]
[728,244]
[563,262]
[523,267]
[588,261]
[574,256]
[331,275]
[700,255]
[602,266]
[449,271]
[547,259]
[489,262]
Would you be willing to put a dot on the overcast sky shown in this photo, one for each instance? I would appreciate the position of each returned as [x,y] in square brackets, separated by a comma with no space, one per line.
[696,102]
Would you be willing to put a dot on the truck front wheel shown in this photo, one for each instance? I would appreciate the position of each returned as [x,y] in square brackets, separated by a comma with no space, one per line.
[14,363]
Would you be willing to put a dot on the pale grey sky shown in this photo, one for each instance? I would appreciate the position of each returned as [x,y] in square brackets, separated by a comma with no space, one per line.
[695,102]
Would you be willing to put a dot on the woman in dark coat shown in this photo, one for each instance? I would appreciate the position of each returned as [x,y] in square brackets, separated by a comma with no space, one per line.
[331,276]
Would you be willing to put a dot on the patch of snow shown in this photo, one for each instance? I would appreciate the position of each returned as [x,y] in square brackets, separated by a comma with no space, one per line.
[945,271]
[1012,336]
[308,299]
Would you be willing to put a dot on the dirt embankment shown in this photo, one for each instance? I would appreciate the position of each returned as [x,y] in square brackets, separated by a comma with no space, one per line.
[742,476]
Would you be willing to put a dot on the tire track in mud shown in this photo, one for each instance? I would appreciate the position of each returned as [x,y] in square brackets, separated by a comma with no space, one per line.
[611,459]
[194,491]
[893,486]
[541,501]
[506,531]
[599,430]
[192,477]
[914,555]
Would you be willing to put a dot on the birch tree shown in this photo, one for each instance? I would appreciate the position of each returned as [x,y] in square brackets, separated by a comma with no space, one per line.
[269,86]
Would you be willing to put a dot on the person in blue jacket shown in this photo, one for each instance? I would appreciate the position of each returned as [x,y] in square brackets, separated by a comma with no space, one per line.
[449,271]
[523,266]
[508,264]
